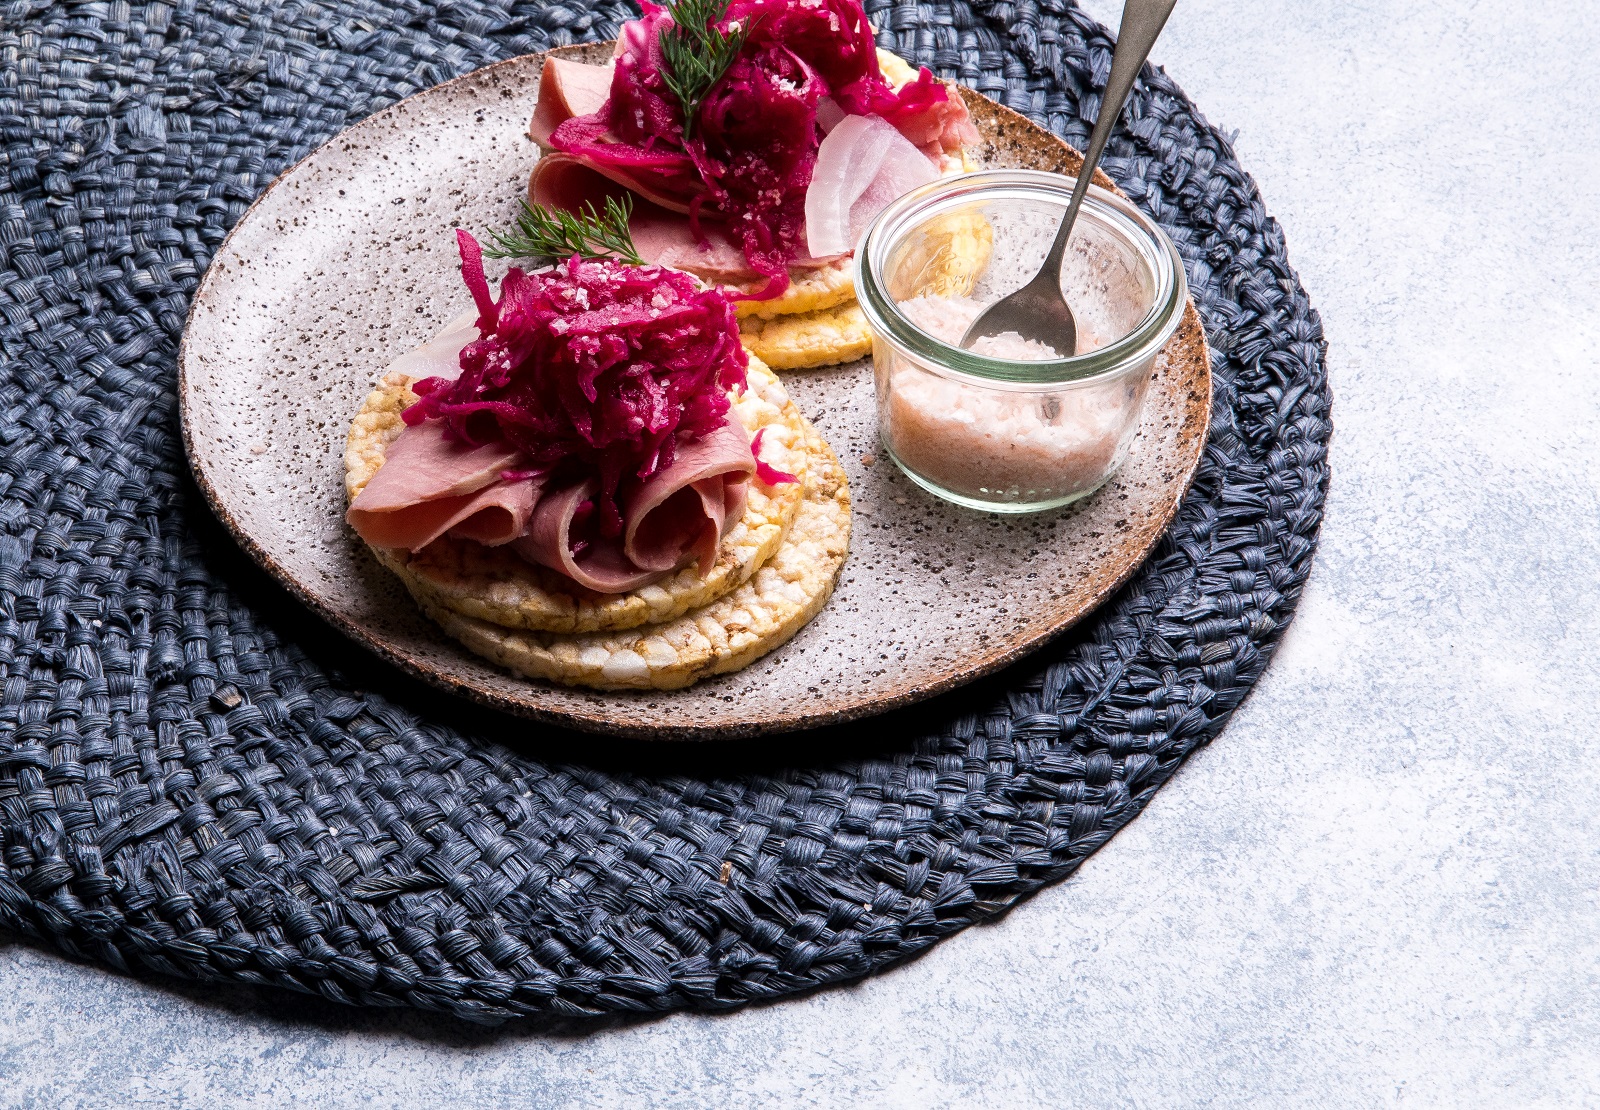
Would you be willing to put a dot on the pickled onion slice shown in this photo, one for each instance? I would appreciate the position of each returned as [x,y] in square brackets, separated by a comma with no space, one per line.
[862,166]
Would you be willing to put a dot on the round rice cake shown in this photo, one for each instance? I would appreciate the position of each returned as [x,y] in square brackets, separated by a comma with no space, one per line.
[823,338]
[497,586]
[809,290]
[947,257]
[730,633]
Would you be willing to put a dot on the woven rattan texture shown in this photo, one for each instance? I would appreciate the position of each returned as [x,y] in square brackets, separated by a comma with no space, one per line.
[186,783]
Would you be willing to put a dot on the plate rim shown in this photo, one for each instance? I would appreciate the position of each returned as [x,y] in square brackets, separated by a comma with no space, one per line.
[444,679]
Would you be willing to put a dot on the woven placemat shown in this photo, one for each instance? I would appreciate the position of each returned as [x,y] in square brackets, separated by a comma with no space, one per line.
[196,778]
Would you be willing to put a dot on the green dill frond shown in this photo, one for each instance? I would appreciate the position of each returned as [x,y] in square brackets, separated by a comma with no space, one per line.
[697,53]
[552,233]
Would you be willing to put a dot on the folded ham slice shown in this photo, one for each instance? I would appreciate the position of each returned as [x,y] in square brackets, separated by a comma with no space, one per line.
[428,486]
[568,89]
[686,509]
[931,115]
[616,182]
[677,516]
[661,236]
[601,567]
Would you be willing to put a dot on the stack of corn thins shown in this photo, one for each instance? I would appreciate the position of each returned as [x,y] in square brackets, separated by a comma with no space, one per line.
[774,572]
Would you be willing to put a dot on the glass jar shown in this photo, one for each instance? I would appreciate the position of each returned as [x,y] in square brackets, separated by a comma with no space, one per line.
[1012,430]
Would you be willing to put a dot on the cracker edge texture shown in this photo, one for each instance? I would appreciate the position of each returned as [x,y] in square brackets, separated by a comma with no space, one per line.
[727,635]
[500,588]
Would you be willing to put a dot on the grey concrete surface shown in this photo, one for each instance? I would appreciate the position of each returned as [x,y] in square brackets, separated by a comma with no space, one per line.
[1379,887]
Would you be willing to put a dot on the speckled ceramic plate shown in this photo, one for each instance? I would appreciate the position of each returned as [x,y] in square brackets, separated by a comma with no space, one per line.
[347,261]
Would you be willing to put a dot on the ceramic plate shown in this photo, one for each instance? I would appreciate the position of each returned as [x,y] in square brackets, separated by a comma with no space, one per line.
[347,261]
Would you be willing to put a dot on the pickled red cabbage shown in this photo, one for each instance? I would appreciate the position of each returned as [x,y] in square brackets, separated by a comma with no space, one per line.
[591,368]
[749,158]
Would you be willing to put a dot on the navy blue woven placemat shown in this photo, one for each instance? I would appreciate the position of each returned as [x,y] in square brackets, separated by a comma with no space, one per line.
[197,778]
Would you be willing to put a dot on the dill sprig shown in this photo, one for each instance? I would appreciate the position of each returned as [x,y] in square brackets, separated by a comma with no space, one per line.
[697,53]
[552,233]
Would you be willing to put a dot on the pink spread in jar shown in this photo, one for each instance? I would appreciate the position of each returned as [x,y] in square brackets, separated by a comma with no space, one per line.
[1012,425]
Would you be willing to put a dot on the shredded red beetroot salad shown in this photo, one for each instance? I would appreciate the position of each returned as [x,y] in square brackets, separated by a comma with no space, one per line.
[751,150]
[590,368]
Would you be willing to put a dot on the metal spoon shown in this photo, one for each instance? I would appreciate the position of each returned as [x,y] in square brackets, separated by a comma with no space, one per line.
[1039,310]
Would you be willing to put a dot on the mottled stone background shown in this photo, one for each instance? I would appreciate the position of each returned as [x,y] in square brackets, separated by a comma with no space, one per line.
[1401,907]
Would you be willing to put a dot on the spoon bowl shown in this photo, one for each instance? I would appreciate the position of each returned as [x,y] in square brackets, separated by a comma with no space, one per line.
[1039,310]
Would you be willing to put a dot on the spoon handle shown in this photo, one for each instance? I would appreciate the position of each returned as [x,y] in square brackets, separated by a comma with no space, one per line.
[1142,21]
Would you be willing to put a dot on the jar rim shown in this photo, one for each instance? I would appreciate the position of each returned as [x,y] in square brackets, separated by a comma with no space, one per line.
[1153,245]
